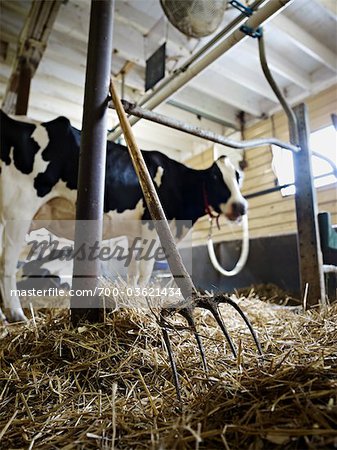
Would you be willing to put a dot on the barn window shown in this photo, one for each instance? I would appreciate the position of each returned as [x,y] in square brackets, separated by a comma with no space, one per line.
[322,141]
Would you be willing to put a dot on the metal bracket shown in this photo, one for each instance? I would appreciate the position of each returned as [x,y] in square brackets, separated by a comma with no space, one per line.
[242,8]
[254,33]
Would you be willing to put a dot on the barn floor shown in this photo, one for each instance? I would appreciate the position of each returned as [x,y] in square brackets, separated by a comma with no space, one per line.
[109,386]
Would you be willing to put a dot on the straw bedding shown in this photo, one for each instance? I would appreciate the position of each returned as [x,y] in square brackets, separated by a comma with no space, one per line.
[109,386]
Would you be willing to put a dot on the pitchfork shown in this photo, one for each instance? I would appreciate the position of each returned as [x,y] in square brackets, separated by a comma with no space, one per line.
[192,297]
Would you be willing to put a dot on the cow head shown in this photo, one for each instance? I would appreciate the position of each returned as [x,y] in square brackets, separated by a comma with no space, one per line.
[224,193]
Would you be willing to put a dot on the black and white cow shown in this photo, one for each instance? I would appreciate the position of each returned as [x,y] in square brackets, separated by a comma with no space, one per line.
[39,178]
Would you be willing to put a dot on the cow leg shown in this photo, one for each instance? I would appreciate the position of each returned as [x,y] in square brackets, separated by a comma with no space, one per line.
[142,260]
[12,239]
[2,317]
[139,271]
[148,258]
[133,271]
[150,244]
[145,272]
[135,247]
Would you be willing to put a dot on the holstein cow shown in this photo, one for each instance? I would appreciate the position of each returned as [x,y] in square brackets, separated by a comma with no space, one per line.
[39,164]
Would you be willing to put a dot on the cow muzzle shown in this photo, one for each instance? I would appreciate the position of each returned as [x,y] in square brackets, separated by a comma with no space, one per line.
[235,210]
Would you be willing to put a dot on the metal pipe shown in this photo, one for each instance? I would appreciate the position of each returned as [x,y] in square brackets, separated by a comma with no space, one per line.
[309,249]
[282,186]
[267,191]
[91,176]
[308,242]
[258,18]
[328,160]
[329,268]
[236,23]
[137,111]
[292,121]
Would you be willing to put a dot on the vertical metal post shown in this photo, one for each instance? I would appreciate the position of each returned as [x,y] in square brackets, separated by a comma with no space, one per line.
[25,76]
[308,243]
[309,249]
[91,177]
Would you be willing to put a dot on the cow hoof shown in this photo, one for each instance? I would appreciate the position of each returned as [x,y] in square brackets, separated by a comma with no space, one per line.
[16,315]
[3,320]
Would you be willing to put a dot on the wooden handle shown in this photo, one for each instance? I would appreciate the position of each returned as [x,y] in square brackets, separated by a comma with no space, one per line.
[174,259]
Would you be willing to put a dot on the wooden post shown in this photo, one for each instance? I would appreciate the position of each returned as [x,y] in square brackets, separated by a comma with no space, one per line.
[25,77]
[32,43]
[91,177]
[309,249]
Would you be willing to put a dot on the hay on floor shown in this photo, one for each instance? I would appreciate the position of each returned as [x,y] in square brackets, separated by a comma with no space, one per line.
[109,386]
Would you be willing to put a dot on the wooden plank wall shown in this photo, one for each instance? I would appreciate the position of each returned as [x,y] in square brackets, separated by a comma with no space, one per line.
[272,214]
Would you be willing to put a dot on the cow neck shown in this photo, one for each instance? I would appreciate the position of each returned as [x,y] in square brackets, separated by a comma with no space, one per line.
[194,196]
[208,209]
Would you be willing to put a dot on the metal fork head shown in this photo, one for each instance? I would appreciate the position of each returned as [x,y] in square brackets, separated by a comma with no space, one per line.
[211,304]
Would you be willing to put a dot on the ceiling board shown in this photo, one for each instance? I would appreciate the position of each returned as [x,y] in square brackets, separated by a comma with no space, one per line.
[301,45]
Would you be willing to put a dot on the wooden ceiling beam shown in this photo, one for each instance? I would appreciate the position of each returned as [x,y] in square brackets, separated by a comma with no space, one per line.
[16,7]
[306,42]
[250,79]
[194,99]
[31,46]
[212,84]
[330,6]
[277,64]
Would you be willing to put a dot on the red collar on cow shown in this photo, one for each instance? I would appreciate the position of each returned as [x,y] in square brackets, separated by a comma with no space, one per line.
[208,209]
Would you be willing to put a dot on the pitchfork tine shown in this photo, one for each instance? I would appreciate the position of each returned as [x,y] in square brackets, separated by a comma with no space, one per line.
[208,305]
[187,314]
[228,300]
[172,360]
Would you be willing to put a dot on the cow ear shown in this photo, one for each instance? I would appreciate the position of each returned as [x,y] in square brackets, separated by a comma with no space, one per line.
[221,158]
[243,164]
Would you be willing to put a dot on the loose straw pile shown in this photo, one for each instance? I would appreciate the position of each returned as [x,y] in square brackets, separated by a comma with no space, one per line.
[109,386]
